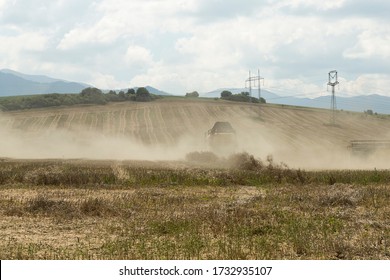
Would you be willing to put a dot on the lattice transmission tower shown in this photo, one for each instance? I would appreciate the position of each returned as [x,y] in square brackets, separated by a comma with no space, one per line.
[254,82]
[333,81]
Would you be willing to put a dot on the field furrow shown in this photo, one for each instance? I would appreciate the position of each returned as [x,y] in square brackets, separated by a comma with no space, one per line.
[94,122]
[165,136]
[173,123]
[143,131]
[62,120]
[189,125]
[122,122]
[42,123]
[136,124]
[7,122]
[69,120]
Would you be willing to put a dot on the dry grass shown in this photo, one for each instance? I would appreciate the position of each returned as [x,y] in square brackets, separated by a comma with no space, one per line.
[121,210]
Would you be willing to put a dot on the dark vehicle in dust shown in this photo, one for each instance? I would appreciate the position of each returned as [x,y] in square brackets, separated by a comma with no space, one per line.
[221,138]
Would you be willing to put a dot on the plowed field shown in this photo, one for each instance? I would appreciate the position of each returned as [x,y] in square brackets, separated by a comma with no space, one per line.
[170,128]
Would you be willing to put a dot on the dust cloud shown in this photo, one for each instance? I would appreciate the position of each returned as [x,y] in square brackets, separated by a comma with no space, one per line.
[63,144]
[310,150]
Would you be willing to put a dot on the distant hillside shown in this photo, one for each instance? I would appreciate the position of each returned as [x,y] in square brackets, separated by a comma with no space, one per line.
[151,90]
[14,83]
[155,91]
[377,103]
[217,93]
[33,78]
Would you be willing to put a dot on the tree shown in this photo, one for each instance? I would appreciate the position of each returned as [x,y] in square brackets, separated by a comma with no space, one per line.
[91,91]
[369,112]
[226,94]
[121,95]
[130,94]
[130,91]
[143,95]
[192,94]
[93,95]
[241,97]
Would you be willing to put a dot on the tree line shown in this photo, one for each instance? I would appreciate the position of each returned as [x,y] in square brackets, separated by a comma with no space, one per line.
[228,95]
[93,95]
[241,97]
[86,96]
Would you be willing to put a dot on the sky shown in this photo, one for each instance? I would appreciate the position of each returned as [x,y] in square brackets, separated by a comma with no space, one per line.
[181,46]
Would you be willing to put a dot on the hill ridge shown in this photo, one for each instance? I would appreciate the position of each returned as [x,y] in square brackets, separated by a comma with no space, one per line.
[13,83]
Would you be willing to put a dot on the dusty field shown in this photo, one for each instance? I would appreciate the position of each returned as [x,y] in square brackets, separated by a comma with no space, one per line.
[171,128]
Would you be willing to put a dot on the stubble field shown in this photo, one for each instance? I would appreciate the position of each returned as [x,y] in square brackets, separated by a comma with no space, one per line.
[130,181]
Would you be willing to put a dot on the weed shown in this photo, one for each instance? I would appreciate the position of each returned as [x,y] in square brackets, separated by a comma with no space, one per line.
[92,207]
[245,161]
[171,227]
[43,205]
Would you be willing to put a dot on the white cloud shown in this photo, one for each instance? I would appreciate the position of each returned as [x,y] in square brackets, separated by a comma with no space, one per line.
[319,5]
[139,57]
[106,81]
[15,50]
[88,36]
[179,79]
[295,87]
[32,41]
[185,45]
[124,19]
[366,84]
[161,76]
[371,42]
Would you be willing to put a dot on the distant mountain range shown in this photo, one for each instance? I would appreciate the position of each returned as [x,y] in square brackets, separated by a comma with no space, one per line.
[155,91]
[14,83]
[377,103]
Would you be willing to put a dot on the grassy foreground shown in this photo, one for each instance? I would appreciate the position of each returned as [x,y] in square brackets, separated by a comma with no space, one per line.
[53,209]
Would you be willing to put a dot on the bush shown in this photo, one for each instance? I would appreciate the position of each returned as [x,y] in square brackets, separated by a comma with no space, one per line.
[241,97]
[90,91]
[226,94]
[142,95]
[48,100]
[192,94]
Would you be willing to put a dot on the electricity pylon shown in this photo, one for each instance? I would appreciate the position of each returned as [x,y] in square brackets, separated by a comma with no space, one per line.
[333,81]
